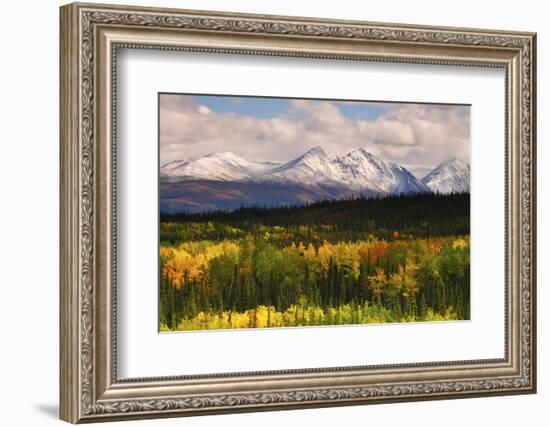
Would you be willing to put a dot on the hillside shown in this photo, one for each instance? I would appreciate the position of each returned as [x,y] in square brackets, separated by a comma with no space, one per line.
[421,215]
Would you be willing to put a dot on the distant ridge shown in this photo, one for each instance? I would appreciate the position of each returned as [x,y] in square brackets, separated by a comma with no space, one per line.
[358,170]
[226,181]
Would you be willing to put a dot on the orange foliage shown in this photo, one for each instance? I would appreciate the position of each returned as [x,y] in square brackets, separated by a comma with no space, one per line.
[378,250]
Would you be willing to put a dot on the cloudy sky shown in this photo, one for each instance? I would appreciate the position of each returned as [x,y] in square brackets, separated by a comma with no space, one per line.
[417,136]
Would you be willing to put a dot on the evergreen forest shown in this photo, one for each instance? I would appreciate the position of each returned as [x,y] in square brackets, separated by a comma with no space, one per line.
[377,260]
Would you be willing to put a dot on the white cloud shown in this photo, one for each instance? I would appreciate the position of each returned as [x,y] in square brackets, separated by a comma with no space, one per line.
[204,109]
[412,134]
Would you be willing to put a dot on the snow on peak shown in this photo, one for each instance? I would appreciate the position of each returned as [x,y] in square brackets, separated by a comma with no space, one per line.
[358,171]
[450,176]
[225,166]
[228,155]
[382,176]
[173,164]
[316,151]
[316,165]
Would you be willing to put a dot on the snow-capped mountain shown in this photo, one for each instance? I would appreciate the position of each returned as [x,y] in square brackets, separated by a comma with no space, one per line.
[356,172]
[362,167]
[315,166]
[450,176]
[227,181]
[215,166]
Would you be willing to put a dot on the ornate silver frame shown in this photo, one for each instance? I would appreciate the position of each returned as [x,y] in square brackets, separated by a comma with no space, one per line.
[90,36]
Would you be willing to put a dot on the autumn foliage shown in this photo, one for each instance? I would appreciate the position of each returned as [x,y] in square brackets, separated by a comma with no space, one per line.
[254,273]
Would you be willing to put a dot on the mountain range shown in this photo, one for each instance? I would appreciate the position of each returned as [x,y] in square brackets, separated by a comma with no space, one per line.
[450,176]
[228,181]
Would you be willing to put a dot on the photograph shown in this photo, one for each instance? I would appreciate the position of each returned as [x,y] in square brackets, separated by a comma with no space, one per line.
[293,212]
[268,212]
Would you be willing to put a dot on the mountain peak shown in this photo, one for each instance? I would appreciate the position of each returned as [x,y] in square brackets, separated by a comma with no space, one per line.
[316,161]
[450,162]
[224,166]
[450,176]
[357,172]
[361,152]
[316,151]
[224,155]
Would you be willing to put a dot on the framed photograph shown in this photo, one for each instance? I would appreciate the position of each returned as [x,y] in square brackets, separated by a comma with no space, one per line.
[266,212]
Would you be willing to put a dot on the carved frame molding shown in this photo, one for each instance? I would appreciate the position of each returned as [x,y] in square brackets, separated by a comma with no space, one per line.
[90,37]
